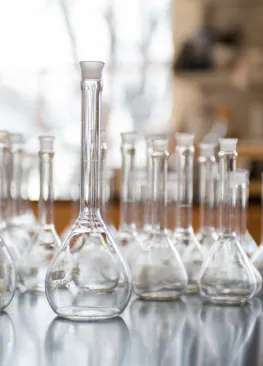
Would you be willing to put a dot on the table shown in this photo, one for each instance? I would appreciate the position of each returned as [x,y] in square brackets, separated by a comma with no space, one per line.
[185,332]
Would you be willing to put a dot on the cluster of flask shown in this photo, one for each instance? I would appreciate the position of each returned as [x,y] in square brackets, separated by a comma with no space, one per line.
[91,273]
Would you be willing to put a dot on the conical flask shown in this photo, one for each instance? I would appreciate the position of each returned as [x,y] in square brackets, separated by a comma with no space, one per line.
[184,238]
[39,253]
[127,235]
[207,164]
[158,273]
[88,279]
[226,276]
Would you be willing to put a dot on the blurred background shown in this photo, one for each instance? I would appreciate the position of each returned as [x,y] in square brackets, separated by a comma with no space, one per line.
[171,65]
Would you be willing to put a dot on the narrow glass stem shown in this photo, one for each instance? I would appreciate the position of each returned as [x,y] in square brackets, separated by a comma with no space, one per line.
[90,166]
[14,184]
[103,177]
[147,209]
[227,165]
[206,192]
[241,199]
[159,190]
[184,169]
[45,205]
[128,203]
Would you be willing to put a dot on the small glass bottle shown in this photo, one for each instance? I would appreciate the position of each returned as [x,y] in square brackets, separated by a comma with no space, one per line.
[39,253]
[184,238]
[15,229]
[246,240]
[207,164]
[158,273]
[127,234]
[226,276]
[88,279]
[7,266]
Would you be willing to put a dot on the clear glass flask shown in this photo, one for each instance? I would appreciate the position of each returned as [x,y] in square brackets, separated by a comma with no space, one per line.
[257,257]
[246,240]
[15,230]
[158,273]
[226,276]
[184,238]
[88,279]
[7,266]
[207,194]
[127,234]
[39,253]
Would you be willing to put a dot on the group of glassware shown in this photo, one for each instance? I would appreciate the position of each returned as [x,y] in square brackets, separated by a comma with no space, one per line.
[91,274]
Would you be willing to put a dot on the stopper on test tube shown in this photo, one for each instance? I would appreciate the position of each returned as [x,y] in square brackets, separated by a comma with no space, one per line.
[207,149]
[241,176]
[15,138]
[185,139]
[91,69]
[129,137]
[228,145]
[46,143]
[160,145]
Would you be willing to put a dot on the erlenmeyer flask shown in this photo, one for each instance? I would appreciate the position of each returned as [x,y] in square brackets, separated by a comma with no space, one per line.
[127,234]
[158,272]
[207,164]
[184,238]
[257,257]
[88,279]
[39,253]
[7,276]
[15,230]
[226,276]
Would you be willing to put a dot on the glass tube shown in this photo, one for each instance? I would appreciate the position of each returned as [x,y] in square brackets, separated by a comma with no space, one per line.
[207,194]
[226,276]
[88,279]
[158,273]
[38,255]
[127,234]
[7,267]
[184,238]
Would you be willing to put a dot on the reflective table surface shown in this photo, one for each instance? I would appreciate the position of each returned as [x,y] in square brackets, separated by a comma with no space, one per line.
[186,332]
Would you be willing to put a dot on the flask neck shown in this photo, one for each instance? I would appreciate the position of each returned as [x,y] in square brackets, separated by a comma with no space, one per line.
[227,166]
[207,193]
[184,168]
[90,146]
[128,187]
[241,210]
[149,170]
[159,190]
[46,198]
[14,173]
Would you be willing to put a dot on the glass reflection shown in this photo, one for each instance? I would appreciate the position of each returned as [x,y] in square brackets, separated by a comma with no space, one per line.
[7,339]
[102,343]
[155,326]
[227,331]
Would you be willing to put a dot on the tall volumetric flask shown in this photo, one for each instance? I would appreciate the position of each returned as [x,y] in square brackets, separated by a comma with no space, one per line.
[38,255]
[159,273]
[7,266]
[127,234]
[257,257]
[207,194]
[88,279]
[246,240]
[226,276]
[184,238]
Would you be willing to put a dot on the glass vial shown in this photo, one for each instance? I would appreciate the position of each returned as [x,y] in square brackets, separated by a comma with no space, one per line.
[158,273]
[184,238]
[207,193]
[88,279]
[127,234]
[226,276]
[38,255]
[7,266]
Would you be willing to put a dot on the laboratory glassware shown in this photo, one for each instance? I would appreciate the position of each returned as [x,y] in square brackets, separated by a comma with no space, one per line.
[226,276]
[127,235]
[184,238]
[158,273]
[257,257]
[246,240]
[207,194]
[88,279]
[39,253]
[7,266]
